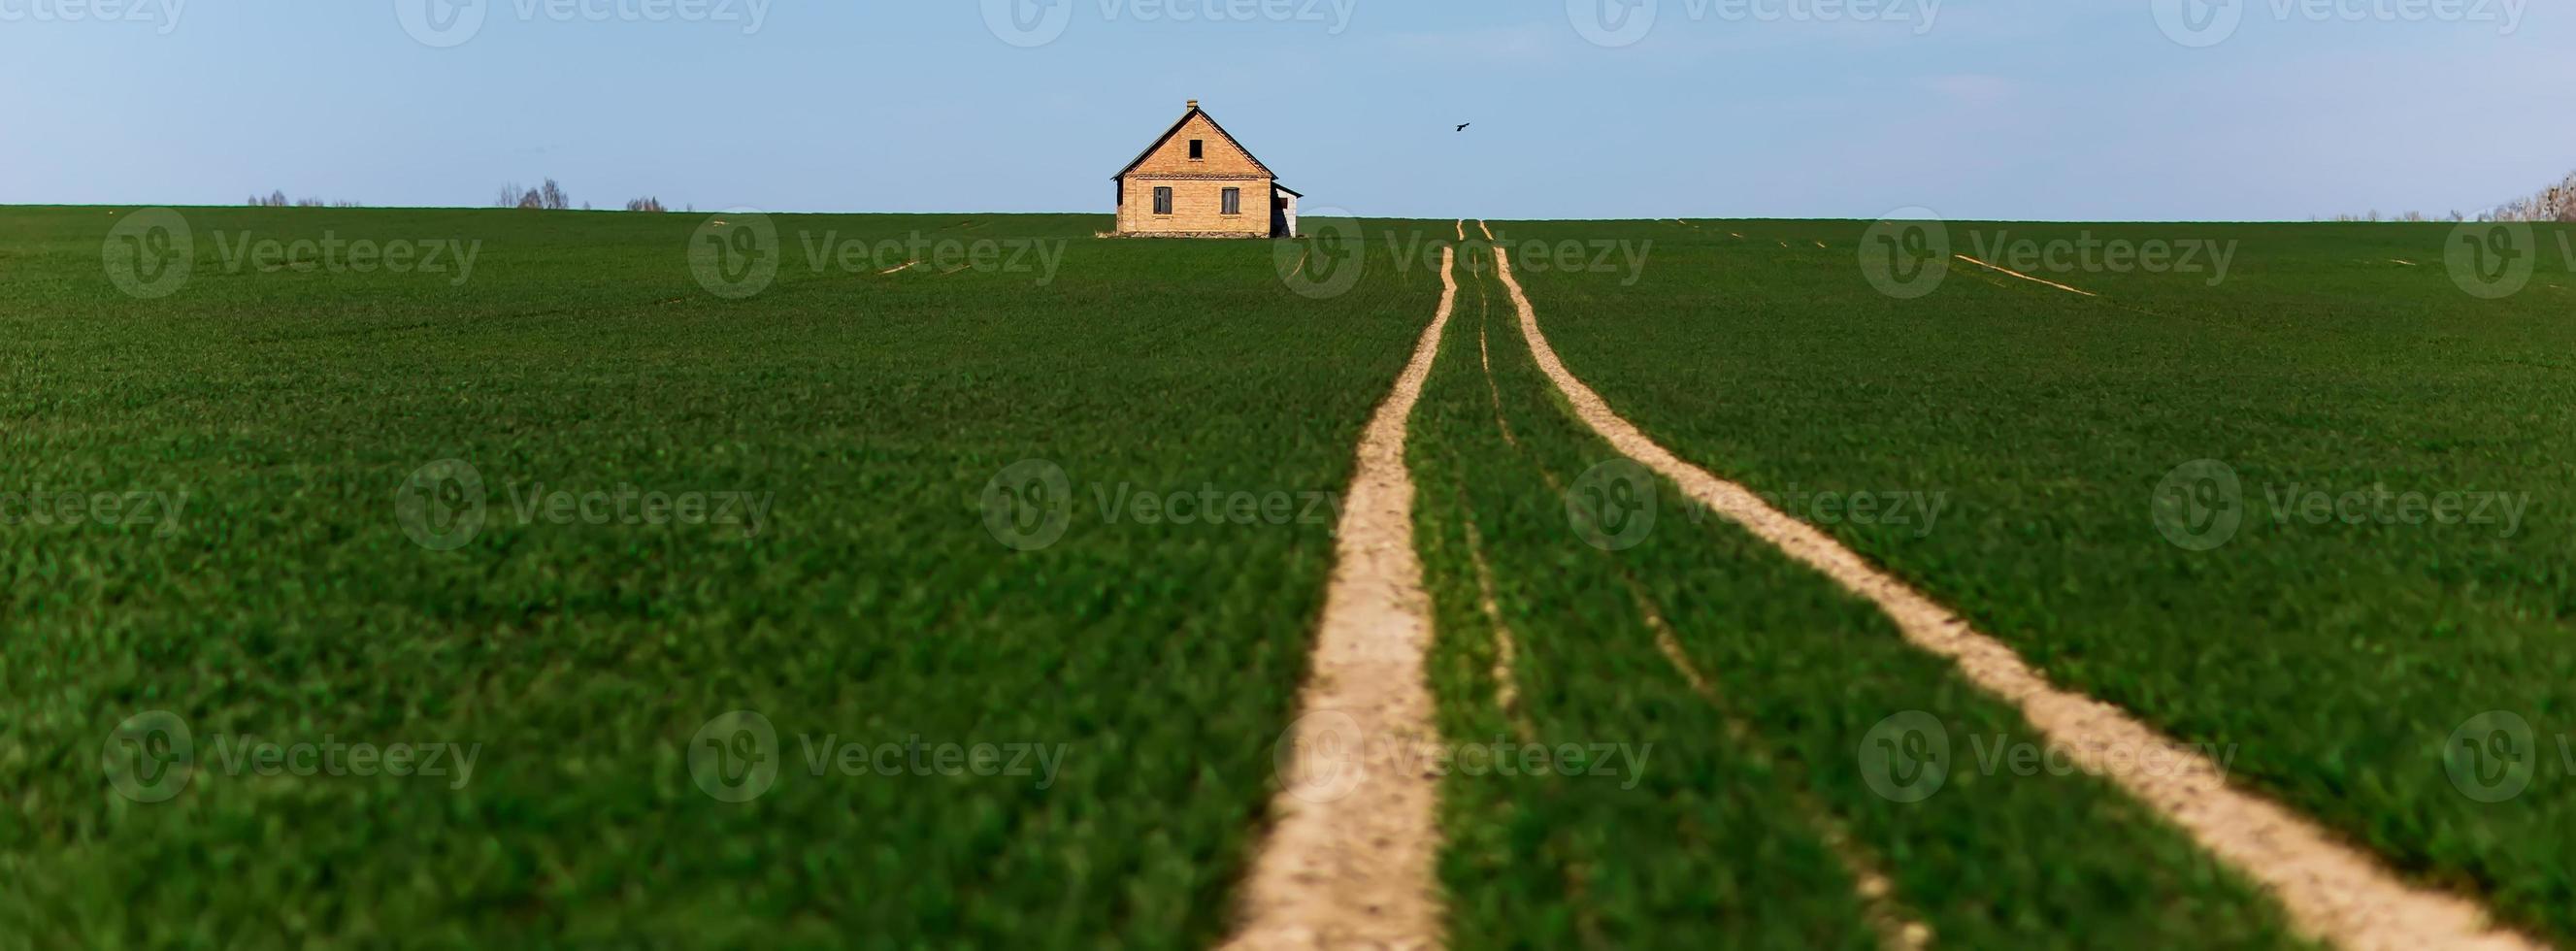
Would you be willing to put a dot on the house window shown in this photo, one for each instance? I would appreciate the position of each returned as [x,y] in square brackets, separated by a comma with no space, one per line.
[1234,201]
[1162,201]
[1198,149]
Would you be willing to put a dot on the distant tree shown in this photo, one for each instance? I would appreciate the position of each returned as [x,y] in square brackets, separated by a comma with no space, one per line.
[277,199]
[545,196]
[2554,203]
[647,203]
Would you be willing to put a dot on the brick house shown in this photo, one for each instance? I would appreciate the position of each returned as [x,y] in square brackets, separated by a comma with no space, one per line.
[1198,182]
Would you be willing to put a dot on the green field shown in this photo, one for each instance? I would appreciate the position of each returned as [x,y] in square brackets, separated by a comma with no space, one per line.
[2337,659]
[1074,501]
[287,603]
[1714,848]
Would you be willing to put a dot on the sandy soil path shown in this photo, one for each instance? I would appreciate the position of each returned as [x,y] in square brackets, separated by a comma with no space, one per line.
[1348,862]
[2331,890]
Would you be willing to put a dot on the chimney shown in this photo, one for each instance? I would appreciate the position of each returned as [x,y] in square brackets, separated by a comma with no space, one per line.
[1194,105]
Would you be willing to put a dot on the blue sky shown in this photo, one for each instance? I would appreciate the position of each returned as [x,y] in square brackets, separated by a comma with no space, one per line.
[2020,109]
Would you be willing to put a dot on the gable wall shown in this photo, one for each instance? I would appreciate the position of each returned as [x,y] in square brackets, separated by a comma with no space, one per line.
[1223,157]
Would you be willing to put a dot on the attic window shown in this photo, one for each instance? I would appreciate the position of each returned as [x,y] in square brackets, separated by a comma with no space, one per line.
[1198,149]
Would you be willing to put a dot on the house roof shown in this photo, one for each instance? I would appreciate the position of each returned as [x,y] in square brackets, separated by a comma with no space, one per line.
[1195,112]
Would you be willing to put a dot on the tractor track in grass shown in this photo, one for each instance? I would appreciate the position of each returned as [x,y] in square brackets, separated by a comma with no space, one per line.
[2000,269]
[1507,691]
[1897,927]
[2331,890]
[1507,694]
[1354,867]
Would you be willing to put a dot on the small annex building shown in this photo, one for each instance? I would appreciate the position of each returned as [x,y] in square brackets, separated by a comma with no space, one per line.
[1198,182]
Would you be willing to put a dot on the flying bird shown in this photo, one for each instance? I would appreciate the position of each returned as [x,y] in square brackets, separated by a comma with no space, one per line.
[1462,127]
